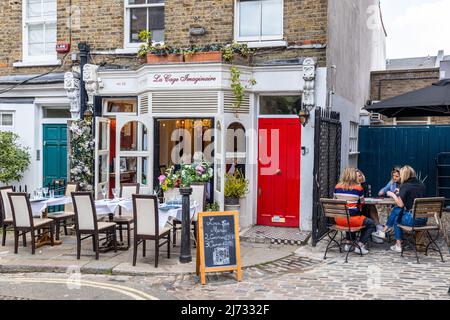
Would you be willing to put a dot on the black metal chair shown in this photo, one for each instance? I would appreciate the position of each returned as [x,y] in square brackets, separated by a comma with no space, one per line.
[425,208]
[333,209]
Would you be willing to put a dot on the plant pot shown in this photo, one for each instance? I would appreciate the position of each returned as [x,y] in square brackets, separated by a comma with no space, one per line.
[232,201]
[241,60]
[170,58]
[232,207]
[208,56]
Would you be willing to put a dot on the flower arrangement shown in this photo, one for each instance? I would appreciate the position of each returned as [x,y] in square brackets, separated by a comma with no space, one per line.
[156,49]
[82,153]
[236,186]
[187,175]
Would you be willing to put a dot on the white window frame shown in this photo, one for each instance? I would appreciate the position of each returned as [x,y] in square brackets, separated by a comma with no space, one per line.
[276,40]
[106,113]
[35,60]
[353,138]
[127,41]
[4,127]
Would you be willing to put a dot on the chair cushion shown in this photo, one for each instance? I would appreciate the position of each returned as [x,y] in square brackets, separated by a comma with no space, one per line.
[123,219]
[165,229]
[8,221]
[343,229]
[105,225]
[61,215]
[423,228]
[40,222]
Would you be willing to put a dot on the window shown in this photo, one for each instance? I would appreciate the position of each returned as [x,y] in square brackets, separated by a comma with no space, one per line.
[39,30]
[143,15]
[236,148]
[280,105]
[259,20]
[354,127]
[50,113]
[124,106]
[6,119]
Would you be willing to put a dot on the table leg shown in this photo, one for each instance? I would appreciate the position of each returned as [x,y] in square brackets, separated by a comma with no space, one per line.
[45,239]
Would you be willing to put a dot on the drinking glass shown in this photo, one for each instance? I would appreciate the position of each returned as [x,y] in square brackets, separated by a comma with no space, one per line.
[114,192]
[45,190]
[104,192]
[52,193]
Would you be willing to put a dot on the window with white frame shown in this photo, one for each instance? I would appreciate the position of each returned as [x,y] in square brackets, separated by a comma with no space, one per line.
[39,30]
[354,128]
[143,15]
[6,120]
[259,20]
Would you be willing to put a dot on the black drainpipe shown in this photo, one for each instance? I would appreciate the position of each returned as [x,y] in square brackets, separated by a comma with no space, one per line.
[84,53]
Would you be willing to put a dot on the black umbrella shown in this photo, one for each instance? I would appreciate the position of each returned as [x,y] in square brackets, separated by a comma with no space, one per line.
[426,102]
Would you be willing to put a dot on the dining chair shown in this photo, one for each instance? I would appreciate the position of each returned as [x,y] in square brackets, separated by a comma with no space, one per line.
[332,209]
[126,191]
[146,217]
[24,222]
[6,213]
[68,213]
[198,195]
[86,223]
[427,208]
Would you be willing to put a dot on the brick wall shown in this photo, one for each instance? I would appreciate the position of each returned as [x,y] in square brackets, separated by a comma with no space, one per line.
[391,83]
[101,24]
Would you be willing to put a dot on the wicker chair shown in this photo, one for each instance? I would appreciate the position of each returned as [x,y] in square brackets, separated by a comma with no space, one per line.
[333,209]
[425,208]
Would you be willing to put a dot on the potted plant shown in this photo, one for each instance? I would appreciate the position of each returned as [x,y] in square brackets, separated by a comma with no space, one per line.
[207,53]
[237,53]
[236,187]
[158,53]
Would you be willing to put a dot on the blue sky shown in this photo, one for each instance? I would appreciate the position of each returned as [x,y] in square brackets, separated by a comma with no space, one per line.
[416,27]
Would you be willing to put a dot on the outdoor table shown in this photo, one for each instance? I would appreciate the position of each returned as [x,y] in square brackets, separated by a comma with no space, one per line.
[380,201]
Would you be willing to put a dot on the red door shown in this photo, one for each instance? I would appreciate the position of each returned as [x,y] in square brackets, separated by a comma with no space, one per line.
[279,172]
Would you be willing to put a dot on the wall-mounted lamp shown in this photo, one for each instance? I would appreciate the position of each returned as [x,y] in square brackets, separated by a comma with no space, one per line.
[304,117]
[197,31]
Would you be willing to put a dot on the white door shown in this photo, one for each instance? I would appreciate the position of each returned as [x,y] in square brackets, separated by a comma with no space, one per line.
[102,141]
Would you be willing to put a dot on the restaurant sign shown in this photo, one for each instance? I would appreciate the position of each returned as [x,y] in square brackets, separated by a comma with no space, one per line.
[184,79]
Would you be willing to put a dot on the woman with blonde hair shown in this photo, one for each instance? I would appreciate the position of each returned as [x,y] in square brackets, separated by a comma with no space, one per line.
[350,189]
[411,188]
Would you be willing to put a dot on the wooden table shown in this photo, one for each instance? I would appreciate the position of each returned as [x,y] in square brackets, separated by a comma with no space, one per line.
[380,201]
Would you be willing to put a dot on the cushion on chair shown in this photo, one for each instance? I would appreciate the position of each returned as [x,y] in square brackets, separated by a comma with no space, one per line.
[165,229]
[40,222]
[61,215]
[343,229]
[105,225]
[8,221]
[123,219]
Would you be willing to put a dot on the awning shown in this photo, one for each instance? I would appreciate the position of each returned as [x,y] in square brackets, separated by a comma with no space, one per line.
[433,101]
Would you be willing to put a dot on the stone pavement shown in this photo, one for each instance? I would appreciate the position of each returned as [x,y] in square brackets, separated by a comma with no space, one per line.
[62,258]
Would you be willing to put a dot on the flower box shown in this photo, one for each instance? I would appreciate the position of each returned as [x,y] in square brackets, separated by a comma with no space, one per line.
[207,56]
[169,58]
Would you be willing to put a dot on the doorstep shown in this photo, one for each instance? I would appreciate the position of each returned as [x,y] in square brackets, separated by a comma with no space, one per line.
[275,235]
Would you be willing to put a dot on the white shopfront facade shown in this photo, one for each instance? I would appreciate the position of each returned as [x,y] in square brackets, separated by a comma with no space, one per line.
[202,91]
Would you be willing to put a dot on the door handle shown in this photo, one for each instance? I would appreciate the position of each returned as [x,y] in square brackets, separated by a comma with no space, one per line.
[278,172]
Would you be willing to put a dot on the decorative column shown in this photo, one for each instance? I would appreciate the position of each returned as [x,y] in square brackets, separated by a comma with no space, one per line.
[185,254]
[72,86]
[309,75]
[91,80]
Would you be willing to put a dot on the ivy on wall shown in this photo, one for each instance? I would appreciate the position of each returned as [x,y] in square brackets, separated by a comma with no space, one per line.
[82,154]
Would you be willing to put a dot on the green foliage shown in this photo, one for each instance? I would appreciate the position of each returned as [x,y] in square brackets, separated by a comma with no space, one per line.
[157,48]
[212,207]
[189,174]
[235,48]
[236,186]
[14,159]
[237,87]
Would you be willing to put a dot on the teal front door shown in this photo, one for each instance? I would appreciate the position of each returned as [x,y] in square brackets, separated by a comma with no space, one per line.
[55,152]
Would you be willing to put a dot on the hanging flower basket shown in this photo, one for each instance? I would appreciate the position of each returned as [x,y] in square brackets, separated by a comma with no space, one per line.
[206,56]
[169,58]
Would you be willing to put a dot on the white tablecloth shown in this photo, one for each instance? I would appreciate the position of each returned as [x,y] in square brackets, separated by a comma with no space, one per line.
[106,207]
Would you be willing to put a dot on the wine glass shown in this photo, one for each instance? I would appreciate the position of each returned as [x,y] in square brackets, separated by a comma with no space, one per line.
[114,192]
[45,190]
[104,193]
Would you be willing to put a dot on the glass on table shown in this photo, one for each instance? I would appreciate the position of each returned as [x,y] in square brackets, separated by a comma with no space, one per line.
[104,193]
[115,193]
[52,194]
[45,191]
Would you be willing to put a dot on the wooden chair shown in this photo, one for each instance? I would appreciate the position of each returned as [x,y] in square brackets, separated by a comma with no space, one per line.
[86,223]
[199,195]
[425,208]
[126,191]
[68,213]
[146,227]
[24,222]
[333,209]
[6,214]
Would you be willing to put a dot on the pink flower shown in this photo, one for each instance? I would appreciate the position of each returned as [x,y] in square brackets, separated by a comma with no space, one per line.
[200,169]
[162,178]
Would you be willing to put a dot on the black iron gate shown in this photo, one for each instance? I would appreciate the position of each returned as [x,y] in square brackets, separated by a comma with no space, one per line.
[327,164]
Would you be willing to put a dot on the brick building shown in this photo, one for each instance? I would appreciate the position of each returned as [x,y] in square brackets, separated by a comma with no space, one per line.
[406,75]
[308,54]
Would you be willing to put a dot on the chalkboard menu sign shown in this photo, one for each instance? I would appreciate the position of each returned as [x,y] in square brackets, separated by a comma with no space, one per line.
[218,246]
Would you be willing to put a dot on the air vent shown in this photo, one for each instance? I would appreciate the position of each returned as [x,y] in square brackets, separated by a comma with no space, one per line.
[185,102]
[143,104]
[228,101]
